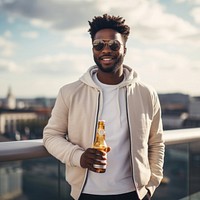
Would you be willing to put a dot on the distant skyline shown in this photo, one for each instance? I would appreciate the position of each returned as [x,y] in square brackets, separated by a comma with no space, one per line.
[45,44]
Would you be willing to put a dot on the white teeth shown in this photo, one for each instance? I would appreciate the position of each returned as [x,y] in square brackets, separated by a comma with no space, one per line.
[107,59]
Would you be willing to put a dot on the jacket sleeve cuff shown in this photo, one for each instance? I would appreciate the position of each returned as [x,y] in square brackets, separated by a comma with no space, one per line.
[77,157]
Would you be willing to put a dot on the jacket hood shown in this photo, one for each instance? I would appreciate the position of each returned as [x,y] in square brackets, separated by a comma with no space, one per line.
[130,76]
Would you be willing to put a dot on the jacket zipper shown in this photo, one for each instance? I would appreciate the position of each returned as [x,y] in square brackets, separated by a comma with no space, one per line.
[97,114]
[130,131]
[94,134]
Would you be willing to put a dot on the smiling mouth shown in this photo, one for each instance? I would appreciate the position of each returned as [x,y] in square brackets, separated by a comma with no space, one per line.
[107,61]
[106,58]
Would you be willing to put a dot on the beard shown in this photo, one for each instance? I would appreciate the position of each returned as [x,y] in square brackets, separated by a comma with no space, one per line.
[112,68]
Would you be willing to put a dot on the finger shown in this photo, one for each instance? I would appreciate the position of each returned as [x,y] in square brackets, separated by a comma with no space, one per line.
[93,169]
[108,149]
[93,153]
[92,164]
[87,158]
[92,156]
[100,162]
[96,169]
[101,152]
[90,153]
[102,156]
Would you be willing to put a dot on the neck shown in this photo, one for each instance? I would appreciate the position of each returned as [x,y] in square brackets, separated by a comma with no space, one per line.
[112,78]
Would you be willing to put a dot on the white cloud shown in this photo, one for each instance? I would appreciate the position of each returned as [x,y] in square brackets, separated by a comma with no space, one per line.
[7,34]
[165,71]
[149,20]
[154,32]
[40,23]
[8,66]
[157,59]
[11,19]
[30,34]
[180,1]
[78,38]
[6,47]
[195,13]
[52,59]
[60,15]
[193,2]
[62,63]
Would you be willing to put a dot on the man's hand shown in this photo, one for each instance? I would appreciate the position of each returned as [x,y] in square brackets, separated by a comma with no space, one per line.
[91,157]
[148,196]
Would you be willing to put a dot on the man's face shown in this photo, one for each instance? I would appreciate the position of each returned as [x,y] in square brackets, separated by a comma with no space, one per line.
[109,58]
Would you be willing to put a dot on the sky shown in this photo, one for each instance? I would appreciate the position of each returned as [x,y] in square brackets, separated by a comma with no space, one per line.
[45,44]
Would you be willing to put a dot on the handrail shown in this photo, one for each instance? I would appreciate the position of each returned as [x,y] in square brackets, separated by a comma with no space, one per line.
[180,136]
[22,150]
[29,149]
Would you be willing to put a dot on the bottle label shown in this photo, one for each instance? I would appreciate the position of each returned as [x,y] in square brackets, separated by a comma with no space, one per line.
[101,131]
[99,166]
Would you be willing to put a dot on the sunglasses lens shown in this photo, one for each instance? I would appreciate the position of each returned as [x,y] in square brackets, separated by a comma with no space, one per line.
[114,45]
[98,45]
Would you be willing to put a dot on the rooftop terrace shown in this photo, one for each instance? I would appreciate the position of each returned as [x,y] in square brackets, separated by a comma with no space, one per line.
[28,172]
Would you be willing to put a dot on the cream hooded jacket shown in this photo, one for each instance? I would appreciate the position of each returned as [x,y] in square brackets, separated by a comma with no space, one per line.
[72,126]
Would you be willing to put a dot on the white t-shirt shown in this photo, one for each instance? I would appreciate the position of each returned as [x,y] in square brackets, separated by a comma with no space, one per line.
[118,176]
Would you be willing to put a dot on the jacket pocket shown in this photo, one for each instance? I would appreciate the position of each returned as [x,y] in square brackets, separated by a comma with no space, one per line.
[74,175]
[141,164]
[143,175]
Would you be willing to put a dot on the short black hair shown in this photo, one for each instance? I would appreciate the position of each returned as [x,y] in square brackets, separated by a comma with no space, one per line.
[108,21]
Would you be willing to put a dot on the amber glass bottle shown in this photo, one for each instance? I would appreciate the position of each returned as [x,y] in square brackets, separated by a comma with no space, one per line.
[100,143]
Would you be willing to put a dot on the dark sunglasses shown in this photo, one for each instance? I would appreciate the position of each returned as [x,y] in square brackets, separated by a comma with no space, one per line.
[99,44]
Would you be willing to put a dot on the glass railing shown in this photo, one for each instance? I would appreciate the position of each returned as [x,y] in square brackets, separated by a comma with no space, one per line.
[28,172]
[182,166]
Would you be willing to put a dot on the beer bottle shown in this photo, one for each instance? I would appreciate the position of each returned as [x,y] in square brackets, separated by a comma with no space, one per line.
[100,144]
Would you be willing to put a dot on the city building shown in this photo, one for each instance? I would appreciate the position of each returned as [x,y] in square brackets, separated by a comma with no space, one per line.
[10,100]
[23,118]
[12,120]
[193,119]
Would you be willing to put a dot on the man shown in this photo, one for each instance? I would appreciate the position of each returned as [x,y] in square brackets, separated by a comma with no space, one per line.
[110,91]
